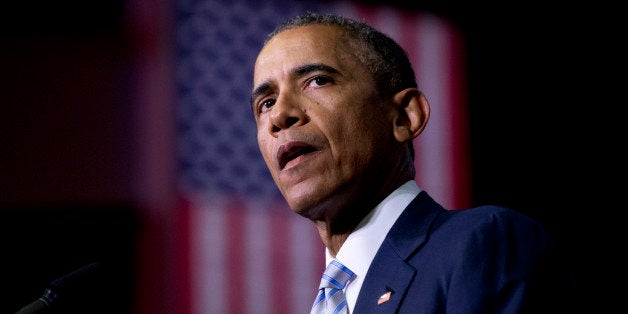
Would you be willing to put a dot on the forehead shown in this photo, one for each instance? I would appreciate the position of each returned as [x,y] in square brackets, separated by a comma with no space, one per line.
[308,36]
[304,44]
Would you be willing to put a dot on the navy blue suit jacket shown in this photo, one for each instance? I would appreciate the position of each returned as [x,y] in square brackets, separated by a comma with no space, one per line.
[486,259]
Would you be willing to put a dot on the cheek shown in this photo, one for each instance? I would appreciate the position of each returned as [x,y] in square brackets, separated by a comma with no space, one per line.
[360,138]
[350,143]
[265,147]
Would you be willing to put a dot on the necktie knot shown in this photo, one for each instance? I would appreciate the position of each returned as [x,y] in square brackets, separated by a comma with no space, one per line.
[336,276]
[331,298]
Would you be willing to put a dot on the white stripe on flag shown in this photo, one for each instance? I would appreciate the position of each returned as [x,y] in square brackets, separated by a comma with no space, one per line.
[272,238]
[307,263]
[433,147]
[207,256]
[258,271]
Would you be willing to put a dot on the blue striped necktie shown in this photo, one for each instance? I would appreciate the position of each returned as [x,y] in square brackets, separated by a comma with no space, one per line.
[331,297]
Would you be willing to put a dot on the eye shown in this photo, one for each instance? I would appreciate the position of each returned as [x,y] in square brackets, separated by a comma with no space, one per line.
[266,104]
[320,81]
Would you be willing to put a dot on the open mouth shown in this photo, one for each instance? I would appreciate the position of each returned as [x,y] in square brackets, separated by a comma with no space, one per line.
[291,151]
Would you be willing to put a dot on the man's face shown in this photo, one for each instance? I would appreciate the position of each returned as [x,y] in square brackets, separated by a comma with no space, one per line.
[321,127]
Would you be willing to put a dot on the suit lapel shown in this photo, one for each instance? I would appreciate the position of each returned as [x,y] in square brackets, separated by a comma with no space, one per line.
[389,276]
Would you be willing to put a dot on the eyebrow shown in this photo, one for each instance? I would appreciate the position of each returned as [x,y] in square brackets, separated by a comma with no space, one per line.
[298,71]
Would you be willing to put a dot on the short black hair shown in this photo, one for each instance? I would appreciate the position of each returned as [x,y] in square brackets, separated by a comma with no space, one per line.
[384,58]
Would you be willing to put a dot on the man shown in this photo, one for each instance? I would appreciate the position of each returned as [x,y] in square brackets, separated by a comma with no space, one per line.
[337,107]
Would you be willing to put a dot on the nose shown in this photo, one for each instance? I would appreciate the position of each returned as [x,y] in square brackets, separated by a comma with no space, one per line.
[287,112]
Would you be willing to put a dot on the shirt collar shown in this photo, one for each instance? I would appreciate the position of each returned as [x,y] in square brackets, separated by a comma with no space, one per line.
[358,251]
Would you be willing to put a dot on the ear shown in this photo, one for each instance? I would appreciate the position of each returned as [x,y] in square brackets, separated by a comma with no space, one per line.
[412,112]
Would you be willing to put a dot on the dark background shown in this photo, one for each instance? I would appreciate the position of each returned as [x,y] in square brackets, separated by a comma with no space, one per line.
[545,104]
[544,83]
[67,154]
[545,133]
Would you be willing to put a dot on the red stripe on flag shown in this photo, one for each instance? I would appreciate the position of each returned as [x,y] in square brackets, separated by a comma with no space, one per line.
[235,255]
[367,13]
[407,39]
[460,122]
[182,248]
[280,263]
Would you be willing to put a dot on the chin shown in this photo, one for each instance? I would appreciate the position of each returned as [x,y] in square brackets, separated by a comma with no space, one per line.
[304,206]
[306,199]
[300,207]
[311,213]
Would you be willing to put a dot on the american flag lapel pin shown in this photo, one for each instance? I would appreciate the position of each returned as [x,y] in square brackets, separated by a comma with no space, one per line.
[384,298]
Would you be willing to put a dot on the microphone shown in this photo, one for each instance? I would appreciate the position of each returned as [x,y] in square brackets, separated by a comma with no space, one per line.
[59,288]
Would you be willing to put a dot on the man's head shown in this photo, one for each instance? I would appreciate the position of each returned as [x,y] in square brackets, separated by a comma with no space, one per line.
[335,116]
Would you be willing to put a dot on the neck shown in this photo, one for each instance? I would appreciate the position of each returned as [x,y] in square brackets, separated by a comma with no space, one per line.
[341,222]
[332,241]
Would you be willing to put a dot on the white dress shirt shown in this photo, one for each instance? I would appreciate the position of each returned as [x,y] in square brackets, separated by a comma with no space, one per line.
[360,248]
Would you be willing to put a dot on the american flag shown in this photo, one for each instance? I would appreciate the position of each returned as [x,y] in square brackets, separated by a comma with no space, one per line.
[246,251]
